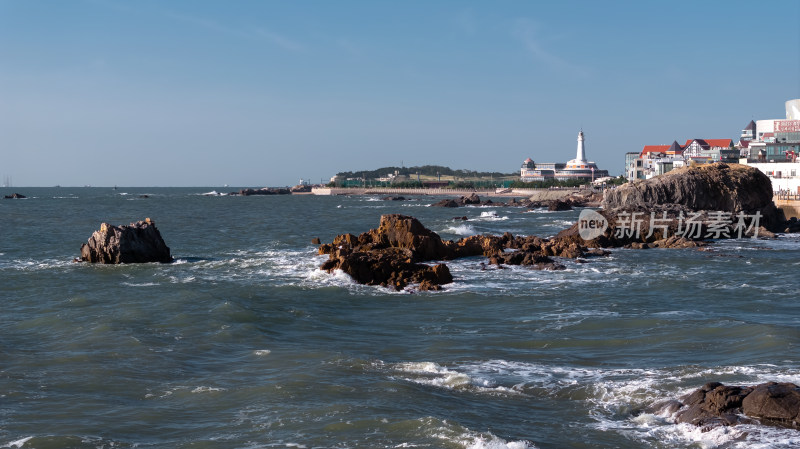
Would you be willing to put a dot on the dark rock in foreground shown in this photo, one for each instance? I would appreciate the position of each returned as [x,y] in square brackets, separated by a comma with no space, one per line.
[715,404]
[14,196]
[138,242]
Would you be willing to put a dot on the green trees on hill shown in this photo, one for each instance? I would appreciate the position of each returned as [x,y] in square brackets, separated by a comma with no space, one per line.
[424,170]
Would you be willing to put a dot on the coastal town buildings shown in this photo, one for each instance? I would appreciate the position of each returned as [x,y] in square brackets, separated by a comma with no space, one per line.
[772,146]
[579,168]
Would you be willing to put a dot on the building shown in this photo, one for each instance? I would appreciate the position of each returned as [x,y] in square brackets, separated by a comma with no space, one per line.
[773,146]
[579,168]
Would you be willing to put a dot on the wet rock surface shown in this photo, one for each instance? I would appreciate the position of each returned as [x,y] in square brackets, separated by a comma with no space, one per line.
[138,242]
[715,404]
[392,254]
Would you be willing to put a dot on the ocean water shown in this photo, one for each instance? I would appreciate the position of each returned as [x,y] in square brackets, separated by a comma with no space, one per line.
[243,342]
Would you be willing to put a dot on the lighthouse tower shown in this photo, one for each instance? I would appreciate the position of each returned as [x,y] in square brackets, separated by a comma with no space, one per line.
[581,154]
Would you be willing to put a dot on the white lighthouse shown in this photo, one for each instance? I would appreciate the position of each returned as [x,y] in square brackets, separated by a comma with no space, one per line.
[581,154]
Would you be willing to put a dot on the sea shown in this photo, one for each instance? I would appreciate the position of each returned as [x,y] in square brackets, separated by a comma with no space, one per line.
[243,342]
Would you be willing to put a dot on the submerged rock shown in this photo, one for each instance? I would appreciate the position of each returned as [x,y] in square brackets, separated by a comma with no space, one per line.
[138,242]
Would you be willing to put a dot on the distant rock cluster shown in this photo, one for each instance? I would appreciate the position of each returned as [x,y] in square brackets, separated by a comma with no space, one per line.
[565,203]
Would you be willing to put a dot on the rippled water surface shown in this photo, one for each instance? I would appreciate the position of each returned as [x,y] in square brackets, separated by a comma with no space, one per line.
[244,343]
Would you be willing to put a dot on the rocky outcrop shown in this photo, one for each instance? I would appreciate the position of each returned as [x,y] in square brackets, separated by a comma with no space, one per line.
[263,191]
[14,196]
[472,200]
[138,242]
[715,404]
[719,187]
[393,254]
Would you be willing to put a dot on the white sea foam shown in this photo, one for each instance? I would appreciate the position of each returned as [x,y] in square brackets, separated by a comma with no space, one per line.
[262,352]
[612,396]
[18,443]
[453,434]
[204,389]
[490,216]
[143,284]
[211,193]
[460,230]
[430,373]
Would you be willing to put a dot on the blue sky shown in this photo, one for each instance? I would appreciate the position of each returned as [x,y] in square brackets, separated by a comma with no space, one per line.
[254,93]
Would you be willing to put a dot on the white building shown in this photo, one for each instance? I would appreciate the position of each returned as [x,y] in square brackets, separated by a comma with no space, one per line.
[773,147]
[579,168]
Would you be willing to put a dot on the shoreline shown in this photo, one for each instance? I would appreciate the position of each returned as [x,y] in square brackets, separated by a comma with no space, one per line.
[541,194]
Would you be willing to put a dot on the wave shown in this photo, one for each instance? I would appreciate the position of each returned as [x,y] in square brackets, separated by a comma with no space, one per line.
[438,432]
[617,399]
[463,229]
[490,216]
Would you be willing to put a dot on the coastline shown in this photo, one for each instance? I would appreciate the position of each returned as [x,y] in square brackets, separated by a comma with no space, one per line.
[539,194]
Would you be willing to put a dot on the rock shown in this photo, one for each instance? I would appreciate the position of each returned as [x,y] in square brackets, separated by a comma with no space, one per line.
[315,241]
[558,205]
[263,191]
[14,196]
[730,188]
[472,199]
[715,404]
[138,242]
[300,188]
[445,203]
[763,233]
[393,198]
[776,402]
[391,255]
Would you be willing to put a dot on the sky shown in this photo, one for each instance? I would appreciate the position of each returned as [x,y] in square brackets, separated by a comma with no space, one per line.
[264,93]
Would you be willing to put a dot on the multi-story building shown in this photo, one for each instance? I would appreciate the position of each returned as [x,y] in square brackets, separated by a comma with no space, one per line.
[773,145]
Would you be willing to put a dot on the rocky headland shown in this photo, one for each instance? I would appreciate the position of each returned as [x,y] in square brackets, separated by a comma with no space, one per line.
[138,242]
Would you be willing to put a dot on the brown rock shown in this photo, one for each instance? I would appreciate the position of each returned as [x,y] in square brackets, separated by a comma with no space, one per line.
[779,402]
[715,404]
[138,242]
